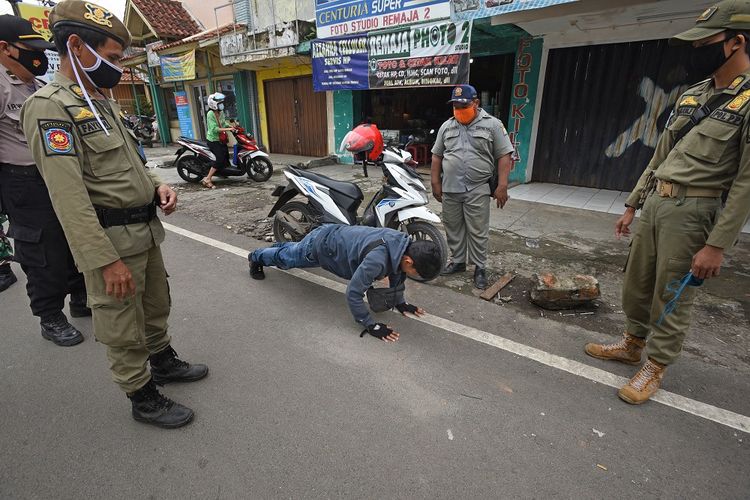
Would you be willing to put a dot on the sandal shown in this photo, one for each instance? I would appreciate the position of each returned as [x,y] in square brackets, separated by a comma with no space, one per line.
[207,184]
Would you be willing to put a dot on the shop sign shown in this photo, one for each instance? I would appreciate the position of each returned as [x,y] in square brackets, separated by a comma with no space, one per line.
[523,103]
[39,18]
[183,114]
[475,9]
[425,55]
[347,17]
[178,68]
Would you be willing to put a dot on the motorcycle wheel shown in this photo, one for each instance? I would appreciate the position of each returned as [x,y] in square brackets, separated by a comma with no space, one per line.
[420,230]
[260,169]
[185,173]
[301,214]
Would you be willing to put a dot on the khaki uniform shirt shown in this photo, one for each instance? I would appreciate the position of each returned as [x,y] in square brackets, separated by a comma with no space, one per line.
[715,154]
[13,92]
[470,152]
[83,167]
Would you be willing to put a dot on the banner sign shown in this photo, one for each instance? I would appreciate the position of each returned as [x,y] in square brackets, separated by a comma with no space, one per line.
[183,114]
[475,9]
[178,68]
[347,17]
[426,55]
[39,18]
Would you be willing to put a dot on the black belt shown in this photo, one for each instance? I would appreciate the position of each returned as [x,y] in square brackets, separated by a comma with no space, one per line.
[109,217]
[29,171]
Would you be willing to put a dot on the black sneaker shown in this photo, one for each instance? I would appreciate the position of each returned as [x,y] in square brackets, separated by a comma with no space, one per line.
[57,329]
[166,367]
[7,277]
[256,270]
[151,407]
[453,268]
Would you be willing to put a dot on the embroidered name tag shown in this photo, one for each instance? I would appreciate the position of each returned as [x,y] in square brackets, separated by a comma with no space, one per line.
[727,117]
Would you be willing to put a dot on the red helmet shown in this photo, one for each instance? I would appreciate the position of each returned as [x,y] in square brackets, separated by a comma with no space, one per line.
[364,138]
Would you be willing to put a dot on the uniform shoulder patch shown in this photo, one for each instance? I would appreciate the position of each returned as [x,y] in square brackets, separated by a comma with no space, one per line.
[57,137]
[739,102]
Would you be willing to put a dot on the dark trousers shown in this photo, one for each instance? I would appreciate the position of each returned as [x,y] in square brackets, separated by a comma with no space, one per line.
[40,244]
[221,152]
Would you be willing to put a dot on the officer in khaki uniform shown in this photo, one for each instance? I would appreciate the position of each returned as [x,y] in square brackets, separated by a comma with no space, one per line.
[106,201]
[704,152]
[468,150]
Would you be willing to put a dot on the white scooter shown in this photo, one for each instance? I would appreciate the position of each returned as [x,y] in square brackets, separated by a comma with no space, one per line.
[400,204]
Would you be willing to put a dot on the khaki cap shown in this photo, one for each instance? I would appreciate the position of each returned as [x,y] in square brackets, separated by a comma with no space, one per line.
[729,14]
[77,13]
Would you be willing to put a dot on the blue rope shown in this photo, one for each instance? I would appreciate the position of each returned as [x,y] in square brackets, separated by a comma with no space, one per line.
[676,288]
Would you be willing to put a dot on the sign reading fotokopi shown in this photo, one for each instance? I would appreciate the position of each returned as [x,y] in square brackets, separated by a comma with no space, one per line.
[347,17]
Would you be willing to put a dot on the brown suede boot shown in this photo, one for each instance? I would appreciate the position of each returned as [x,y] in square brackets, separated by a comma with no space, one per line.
[627,350]
[644,384]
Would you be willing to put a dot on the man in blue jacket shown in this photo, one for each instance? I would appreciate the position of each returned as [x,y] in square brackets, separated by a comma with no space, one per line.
[362,255]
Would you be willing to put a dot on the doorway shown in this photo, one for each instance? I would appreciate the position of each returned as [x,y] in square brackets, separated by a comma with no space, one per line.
[199,105]
[297,122]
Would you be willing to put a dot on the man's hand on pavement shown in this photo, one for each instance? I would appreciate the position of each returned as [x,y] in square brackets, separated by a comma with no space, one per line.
[501,195]
[382,332]
[622,226]
[707,262]
[118,280]
[410,309]
[167,199]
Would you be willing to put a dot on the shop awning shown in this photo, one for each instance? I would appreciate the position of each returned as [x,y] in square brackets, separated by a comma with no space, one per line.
[491,8]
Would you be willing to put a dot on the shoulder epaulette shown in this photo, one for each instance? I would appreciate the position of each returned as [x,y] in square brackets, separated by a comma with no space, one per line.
[48,90]
[700,85]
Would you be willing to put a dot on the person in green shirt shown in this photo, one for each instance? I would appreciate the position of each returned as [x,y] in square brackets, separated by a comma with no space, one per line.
[215,124]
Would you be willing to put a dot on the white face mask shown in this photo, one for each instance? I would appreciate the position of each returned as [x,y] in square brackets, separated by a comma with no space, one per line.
[221,106]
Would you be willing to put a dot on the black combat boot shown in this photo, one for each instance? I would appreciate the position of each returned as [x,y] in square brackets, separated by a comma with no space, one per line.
[57,329]
[78,307]
[7,277]
[151,407]
[256,270]
[166,367]
[480,278]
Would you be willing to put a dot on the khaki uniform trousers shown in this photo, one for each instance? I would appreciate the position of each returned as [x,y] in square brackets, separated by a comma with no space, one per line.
[670,232]
[466,218]
[136,327]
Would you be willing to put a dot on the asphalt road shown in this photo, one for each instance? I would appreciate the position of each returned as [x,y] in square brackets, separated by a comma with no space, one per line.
[298,406]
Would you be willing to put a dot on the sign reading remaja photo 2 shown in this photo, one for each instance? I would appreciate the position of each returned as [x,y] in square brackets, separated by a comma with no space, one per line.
[347,17]
[431,54]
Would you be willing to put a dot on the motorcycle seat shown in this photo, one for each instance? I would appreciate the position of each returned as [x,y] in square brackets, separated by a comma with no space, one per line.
[348,189]
[187,139]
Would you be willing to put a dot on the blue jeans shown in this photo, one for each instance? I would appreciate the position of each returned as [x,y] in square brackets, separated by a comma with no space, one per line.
[289,255]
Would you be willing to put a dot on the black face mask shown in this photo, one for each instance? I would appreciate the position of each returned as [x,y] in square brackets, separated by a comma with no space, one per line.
[706,60]
[33,60]
[103,74]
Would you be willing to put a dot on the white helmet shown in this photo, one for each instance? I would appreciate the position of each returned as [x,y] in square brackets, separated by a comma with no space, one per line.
[216,101]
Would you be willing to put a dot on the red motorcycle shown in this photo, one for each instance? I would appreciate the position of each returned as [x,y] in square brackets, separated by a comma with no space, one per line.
[247,159]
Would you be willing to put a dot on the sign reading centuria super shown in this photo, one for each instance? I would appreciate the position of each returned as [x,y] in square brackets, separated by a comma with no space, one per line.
[424,55]
[347,17]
